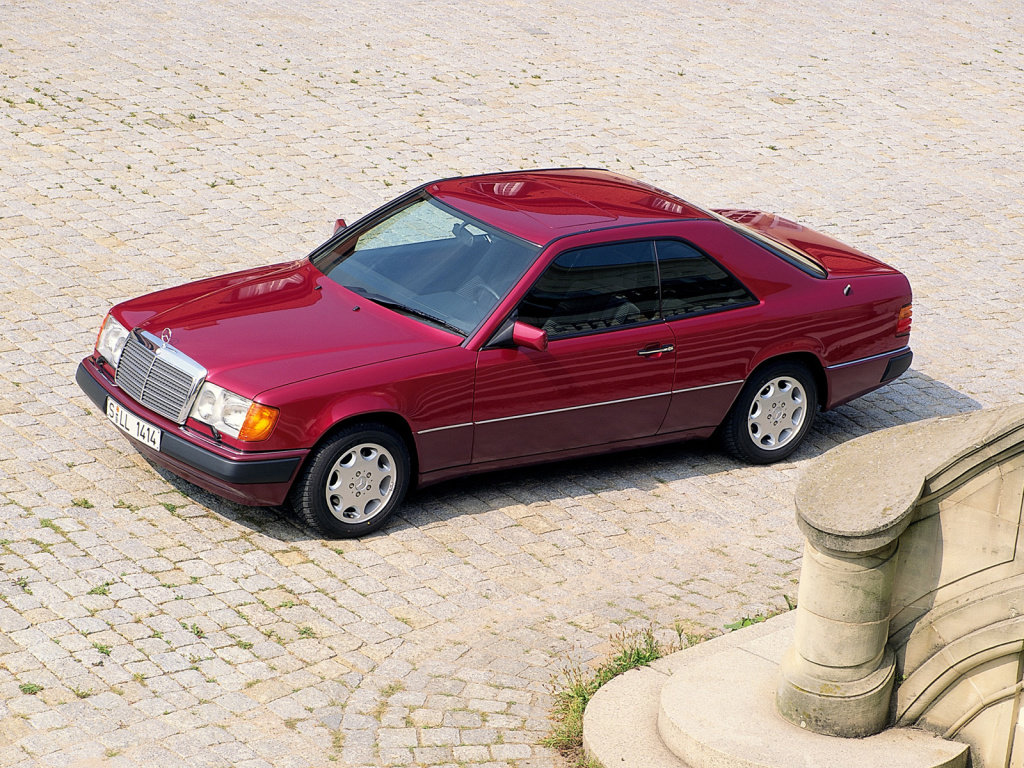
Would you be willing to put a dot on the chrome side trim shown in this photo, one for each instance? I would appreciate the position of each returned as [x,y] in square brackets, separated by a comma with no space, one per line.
[441,429]
[572,408]
[868,359]
[707,386]
[579,407]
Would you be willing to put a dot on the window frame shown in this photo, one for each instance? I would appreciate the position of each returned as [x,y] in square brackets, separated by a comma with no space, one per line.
[661,318]
[754,300]
[593,331]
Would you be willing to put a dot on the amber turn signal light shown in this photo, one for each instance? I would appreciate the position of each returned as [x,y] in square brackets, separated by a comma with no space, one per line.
[905,318]
[259,423]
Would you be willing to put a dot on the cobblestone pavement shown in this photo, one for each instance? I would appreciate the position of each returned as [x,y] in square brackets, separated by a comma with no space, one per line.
[144,622]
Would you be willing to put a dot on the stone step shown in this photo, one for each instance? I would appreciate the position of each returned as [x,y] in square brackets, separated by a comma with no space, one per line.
[713,706]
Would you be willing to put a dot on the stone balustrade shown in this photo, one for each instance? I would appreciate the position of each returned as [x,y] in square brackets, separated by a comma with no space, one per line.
[909,631]
[913,576]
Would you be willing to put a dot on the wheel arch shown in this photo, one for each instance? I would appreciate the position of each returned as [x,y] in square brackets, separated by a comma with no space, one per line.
[734,432]
[808,360]
[388,419]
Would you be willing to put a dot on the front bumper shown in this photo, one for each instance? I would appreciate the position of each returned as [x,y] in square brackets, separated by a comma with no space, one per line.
[256,479]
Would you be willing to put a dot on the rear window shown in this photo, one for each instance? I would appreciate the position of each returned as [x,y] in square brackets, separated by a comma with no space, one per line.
[788,253]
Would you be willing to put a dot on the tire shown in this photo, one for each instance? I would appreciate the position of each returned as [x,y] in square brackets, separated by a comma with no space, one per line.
[353,482]
[772,415]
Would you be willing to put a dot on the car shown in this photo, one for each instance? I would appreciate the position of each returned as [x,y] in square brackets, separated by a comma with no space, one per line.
[493,321]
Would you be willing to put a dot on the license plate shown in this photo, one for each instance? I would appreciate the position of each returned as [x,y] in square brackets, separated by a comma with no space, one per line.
[133,426]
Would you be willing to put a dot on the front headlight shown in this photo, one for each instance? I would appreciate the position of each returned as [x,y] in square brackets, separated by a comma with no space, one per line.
[111,339]
[233,414]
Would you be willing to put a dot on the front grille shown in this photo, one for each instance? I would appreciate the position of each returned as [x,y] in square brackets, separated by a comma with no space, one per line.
[158,376]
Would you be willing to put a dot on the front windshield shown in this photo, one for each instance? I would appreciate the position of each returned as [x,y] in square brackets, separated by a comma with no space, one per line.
[431,262]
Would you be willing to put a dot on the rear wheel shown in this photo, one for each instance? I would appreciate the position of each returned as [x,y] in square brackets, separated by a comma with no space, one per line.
[772,415]
[353,482]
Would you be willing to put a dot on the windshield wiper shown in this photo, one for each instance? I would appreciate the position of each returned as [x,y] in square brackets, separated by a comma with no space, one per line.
[398,306]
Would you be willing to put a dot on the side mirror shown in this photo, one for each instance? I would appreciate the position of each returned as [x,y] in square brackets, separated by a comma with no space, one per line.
[339,224]
[528,336]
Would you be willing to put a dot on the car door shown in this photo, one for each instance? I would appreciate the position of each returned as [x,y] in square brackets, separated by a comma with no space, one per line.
[606,374]
[717,328]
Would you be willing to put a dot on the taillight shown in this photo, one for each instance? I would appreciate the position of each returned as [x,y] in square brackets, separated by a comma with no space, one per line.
[905,318]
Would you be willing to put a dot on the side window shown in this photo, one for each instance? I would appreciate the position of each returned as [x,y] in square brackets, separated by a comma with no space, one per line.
[590,289]
[691,282]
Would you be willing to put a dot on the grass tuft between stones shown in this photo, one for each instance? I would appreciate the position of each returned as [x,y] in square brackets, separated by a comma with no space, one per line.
[575,686]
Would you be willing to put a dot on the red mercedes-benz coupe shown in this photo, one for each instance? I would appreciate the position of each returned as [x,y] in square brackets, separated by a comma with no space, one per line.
[494,321]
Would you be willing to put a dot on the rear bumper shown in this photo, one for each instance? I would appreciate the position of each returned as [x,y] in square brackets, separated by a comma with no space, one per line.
[858,377]
[255,479]
[897,366]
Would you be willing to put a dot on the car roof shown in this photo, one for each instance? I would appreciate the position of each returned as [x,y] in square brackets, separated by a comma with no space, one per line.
[543,205]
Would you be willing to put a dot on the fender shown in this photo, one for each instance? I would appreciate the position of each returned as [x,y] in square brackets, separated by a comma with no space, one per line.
[804,346]
[351,406]
[799,345]
[429,394]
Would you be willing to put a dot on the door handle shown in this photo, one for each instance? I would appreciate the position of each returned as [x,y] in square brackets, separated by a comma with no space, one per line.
[656,351]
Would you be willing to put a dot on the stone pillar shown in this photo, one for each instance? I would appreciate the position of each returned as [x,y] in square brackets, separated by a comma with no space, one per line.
[837,677]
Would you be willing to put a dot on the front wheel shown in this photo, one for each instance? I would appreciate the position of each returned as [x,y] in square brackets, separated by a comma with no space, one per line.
[772,415]
[353,482]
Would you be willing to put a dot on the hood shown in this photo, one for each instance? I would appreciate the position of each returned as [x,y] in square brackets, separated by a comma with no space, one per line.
[838,259]
[270,326]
